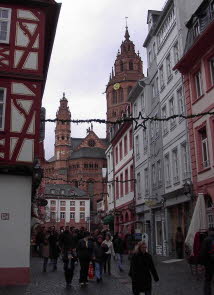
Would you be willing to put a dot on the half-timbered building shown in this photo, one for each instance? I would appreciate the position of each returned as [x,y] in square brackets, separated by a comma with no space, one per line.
[27,30]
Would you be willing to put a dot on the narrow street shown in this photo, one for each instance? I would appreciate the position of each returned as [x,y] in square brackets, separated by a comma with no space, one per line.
[175,279]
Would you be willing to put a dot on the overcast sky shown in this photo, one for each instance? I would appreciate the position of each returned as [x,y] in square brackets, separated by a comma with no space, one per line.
[88,37]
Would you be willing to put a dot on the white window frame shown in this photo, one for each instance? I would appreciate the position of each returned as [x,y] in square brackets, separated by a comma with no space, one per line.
[8,20]
[72,203]
[167,170]
[145,140]
[181,104]
[135,110]
[83,203]
[138,186]
[63,203]
[146,174]
[53,202]
[185,160]
[4,107]
[176,52]
[52,191]
[165,123]
[81,215]
[159,172]
[62,215]
[161,71]
[205,150]
[172,111]
[72,215]
[196,29]
[175,165]
[168,66]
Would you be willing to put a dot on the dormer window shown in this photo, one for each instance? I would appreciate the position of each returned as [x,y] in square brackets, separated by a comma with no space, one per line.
[5,19]
[52,191]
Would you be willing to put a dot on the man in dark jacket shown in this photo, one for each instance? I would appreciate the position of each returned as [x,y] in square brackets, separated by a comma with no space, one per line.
[84,253]
[207,258]
[54,248]
[141,268]
[119,250]
[99,257]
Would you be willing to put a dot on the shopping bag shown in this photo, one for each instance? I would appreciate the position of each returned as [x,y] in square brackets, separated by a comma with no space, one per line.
[91,271]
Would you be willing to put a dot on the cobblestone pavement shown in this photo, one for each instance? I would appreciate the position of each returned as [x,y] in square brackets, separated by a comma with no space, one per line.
[175,279]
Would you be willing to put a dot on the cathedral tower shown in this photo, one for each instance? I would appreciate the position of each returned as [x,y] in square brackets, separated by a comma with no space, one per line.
[126,72]
[62,137]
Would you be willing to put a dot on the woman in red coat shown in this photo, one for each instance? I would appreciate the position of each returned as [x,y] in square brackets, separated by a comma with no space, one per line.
[141,268]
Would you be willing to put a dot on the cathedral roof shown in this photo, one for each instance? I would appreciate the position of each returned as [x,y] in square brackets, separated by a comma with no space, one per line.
[87,152]
[70,191]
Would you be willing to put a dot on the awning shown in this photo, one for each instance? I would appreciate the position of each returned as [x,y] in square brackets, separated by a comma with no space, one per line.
[108,219]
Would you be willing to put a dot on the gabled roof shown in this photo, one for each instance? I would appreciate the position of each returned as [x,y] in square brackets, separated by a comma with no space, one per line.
[69,190]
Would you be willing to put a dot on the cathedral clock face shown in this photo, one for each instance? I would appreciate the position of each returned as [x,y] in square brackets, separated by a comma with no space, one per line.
[91,143]
[116,86]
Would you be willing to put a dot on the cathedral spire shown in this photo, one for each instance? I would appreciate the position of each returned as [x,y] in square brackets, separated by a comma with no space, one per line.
[127,36]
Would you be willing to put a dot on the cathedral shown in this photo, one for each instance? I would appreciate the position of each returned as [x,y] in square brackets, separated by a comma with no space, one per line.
[79,162]
[76,161]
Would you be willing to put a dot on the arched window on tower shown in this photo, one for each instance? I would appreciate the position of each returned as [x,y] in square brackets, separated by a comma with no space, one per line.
[121,66]
[121,94]
[114,97]
[131,66]
[129,47]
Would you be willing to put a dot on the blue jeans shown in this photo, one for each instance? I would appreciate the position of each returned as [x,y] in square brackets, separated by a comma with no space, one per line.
[119,258]
[98,270]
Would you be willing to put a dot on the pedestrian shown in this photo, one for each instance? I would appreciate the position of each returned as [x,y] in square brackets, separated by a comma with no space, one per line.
[40,237]
[69,259]
[179,242]
[54,248]
[109,253]
[141,268]
[99,251]
[119,250]
[207,259]
[84,254]
[45,254]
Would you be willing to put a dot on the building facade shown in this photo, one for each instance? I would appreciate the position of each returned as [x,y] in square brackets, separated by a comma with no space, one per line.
[197,67]
[127,71]
[67,206]
[77,161]
[27,35]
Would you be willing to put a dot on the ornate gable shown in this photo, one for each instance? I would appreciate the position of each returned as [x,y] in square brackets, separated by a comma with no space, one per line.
[92,141]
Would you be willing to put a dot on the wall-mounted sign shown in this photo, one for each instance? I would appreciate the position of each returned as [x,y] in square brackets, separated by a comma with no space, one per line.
[5,216]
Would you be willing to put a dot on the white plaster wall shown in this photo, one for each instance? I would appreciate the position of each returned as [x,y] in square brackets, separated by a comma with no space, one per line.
[15,199]
[67,208]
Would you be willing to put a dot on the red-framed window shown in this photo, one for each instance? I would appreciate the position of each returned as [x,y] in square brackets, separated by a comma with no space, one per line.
[121,185]
[126,183]
[121,150]
[116,155]
[202,145]
[132,177]
[117,188]
[125,146]
[130,140]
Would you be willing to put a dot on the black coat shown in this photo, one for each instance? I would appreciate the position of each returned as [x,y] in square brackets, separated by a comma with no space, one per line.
[53,245]
[84,252]
[207,252]
[118,245]
[141,268]
[99,252]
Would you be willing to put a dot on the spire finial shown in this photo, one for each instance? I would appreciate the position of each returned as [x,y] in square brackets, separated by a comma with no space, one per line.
[63,95]
[127,32]
[112,72]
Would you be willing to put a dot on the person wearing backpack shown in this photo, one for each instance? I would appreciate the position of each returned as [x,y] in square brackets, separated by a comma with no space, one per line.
[207,259]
